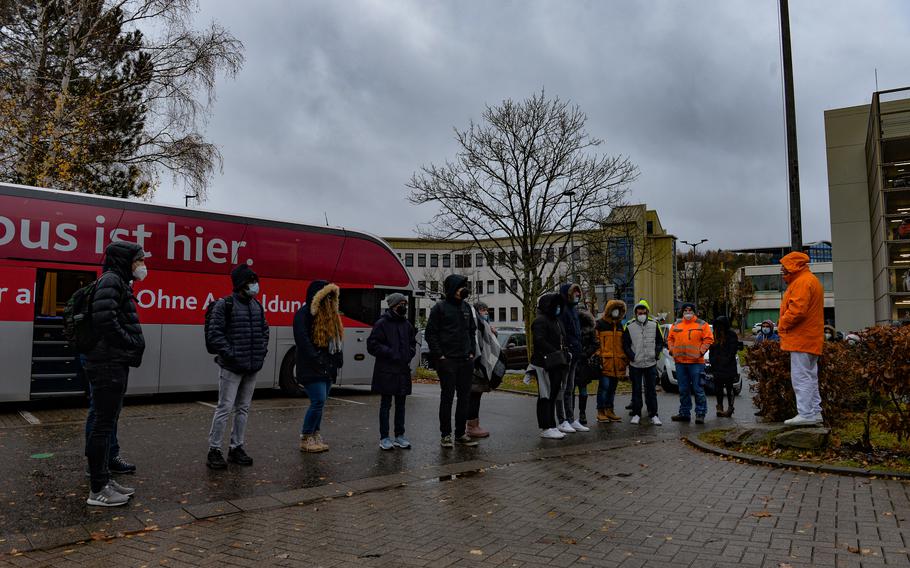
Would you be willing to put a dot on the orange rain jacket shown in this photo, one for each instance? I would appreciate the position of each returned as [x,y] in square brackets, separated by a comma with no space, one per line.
[802,311]
[689,340]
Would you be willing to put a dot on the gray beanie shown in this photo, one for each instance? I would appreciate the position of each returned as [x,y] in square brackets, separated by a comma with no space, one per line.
[395,298]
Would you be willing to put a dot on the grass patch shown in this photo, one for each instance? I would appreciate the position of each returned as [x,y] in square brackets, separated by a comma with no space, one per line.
[515,381]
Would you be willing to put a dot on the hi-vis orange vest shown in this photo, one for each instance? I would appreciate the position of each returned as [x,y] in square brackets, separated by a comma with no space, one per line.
[689,340]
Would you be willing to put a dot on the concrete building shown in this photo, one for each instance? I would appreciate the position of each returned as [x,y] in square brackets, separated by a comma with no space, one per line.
[768,290]
[868,151]
[639,250]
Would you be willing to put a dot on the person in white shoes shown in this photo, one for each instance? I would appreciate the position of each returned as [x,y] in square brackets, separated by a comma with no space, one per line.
[571,325]
[549,362]
[801,327]
[643,343]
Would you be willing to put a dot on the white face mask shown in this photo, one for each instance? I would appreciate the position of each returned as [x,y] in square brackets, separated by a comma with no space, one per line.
[252,289]
[688,316]
[140,273]
[642,318]
[615,313]
[766,330]
[827,337]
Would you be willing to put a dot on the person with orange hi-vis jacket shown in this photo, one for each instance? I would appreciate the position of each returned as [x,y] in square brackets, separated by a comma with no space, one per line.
[801,328]
[689,340]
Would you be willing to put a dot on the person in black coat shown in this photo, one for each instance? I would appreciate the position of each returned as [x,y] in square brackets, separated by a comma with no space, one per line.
[120,346]
[586,371]
[318,333]
[239,333]
[549,337]
[568,316]
[451,337]
[723,353]
[393,342]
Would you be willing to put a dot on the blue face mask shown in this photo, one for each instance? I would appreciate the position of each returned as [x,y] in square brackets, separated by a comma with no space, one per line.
[558,310]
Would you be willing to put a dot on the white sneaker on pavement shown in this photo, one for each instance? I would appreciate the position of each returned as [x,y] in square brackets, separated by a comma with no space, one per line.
[579,427]
[656,421]
[636,419]
[800,420]
[566,428]
[552,434]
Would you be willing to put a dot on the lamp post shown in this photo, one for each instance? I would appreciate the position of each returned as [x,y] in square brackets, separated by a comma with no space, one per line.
[570,193]
[695,246]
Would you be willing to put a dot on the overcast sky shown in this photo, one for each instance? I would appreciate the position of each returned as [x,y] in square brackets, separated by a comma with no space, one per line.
[338,103]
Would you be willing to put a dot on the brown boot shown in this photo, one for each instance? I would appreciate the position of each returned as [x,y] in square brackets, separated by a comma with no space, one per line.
[602,415]
[720,411]
[474,430]
[309,444]
[323,447]
[611,416]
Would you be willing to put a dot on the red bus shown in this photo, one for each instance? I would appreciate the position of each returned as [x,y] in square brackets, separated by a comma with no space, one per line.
[52,243]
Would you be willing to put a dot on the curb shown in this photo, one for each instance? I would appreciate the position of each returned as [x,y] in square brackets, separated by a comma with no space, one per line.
[128,525]
[797,465]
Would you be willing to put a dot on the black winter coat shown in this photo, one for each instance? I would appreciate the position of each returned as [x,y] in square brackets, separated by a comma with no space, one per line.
[114,316]
[242,339]
[451,329]
[393,342]
[723,357]
[590,344]
[570,322]
[548,332]
[314,364]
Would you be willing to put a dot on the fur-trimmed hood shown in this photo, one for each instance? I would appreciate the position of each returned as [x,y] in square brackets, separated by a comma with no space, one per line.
[614,305]
[318,291]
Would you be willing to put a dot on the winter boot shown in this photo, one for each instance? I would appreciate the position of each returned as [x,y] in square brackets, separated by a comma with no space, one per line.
[309,444]
[474,430]
[321,443]
[602,415]
[730,406]
[612,416]
[582,408]
[720,410]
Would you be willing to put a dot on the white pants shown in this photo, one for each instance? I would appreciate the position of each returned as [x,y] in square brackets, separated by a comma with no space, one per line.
[804,377]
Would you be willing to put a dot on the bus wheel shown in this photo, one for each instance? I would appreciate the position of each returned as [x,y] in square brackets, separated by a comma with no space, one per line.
[287,379]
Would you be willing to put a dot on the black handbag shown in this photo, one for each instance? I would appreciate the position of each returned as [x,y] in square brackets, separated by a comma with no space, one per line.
[555,361]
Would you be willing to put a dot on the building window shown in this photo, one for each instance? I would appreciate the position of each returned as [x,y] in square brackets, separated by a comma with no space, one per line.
[492,313]
[501,257]
[502,288]
[409,260]
[434,286]
[467,260]
[446,261]
[479,286]
[491,260]
[459,263]
[551,254]
[576,253]
[562,253]
[513,286]
[467,285]
[513,314]
[421,260]
[478,259]
[502,314]
[422,284]
[491,287]
[513,256]
[434,260]
[650,227]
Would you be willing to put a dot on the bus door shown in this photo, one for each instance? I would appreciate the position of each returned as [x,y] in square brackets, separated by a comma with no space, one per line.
[56,368]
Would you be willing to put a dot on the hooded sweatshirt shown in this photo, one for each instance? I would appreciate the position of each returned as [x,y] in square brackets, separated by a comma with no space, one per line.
[642,342]
[114,316]
[802,310]
[610,336]
[451,329]
[569,318]
[547,329]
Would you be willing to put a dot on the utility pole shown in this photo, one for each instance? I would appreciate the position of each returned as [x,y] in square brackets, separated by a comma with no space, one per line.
[695,266]
[570,194]
[796,220]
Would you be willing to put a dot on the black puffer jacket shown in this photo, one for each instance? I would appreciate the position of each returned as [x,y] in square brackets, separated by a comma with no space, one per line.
[314,364]
[393,342]
[114,316]
[548,332]
[242,339]
[590,344]
[451,329]
[723,352]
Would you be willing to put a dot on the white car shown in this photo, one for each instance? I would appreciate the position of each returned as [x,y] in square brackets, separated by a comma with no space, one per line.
[666,370]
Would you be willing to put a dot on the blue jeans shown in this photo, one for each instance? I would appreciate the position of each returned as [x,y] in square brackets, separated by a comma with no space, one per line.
[90,424]
[317,392]
[606,392]
[689,378]
[385,407]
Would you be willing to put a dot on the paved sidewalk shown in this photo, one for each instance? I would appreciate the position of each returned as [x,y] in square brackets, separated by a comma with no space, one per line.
[661,504]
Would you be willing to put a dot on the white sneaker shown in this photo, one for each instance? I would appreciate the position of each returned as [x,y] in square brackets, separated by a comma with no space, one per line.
[552,434]
[107,497]
[579,427]
[566,428]
[799,420]
[636,419]
[656,421]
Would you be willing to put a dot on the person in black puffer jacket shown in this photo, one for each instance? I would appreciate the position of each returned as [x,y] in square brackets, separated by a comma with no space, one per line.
[120,346]
[568,316]
[549,337]
[586,371]
[318,333]
[240,334]
[723,354]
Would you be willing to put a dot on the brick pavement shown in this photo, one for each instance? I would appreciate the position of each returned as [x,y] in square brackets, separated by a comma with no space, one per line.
[653,505]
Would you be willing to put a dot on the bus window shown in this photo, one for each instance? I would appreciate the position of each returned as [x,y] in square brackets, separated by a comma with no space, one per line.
[365,305]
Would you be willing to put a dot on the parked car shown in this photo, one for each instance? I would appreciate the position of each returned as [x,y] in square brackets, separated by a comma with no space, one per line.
[514,345]
[666,369]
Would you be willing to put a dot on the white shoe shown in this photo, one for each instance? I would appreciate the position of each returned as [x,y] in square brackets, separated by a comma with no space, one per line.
[656,421]
[579,427]
[636,419]
[566,428]
[799,420]
[552,434]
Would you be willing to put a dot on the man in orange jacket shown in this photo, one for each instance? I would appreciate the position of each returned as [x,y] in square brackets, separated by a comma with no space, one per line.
[801,328]
[689,340]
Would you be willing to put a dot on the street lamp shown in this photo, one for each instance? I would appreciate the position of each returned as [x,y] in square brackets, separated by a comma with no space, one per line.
[570,193]
[695,246]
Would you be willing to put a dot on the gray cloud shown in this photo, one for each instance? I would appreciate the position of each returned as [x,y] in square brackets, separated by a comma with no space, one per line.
[339,102]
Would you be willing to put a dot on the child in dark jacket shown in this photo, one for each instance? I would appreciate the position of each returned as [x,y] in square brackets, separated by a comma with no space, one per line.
[393,342]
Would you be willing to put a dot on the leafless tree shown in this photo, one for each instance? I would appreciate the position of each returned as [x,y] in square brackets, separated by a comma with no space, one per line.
[524,180]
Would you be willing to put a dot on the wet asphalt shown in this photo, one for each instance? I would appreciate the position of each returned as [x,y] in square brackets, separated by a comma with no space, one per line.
[42,472]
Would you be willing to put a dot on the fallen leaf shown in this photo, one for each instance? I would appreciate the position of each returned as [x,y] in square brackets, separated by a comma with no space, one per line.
[552,514]
[761,514]
[568,540]
[477,552]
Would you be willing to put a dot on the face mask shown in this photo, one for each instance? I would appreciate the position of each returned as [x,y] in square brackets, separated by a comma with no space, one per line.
[485,317]
[615,313]
[642,318]
[851,342]
[688,317]
[766,330]
[558,309]
[827,337]
[140,273]
[463,293]
[252,289]
[401,310]
[575,300]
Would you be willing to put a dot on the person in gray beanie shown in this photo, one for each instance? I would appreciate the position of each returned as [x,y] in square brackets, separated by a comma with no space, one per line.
[393,342]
